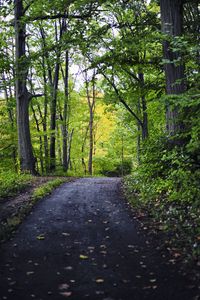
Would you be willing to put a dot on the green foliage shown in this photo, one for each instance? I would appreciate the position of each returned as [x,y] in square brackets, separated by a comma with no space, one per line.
[167,185]
[116,169]
[12,183]
[46,188]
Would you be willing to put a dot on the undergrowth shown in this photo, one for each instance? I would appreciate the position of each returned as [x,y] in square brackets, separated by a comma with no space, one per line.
[11,183]
[166,187]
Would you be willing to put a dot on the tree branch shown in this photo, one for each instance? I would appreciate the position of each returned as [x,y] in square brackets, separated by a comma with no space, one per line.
[121,99]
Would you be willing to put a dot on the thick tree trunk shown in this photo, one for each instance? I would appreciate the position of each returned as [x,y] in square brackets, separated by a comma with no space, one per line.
[172,19]
[27,160]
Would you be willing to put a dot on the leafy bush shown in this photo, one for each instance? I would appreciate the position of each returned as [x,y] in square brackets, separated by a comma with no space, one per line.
[118,169]
[167,185]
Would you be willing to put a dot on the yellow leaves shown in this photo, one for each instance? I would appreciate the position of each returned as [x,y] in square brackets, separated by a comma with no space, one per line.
[40,237]
[83,256]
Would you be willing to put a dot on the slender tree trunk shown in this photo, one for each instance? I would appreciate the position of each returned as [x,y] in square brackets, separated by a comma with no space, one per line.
[83,150]
[9,97]
[91,142]
[145,132]
[59,145]
[40,138]
[138,132]
[69,148]
[27,160]
[65,111]
[53,119]
[44,118]
[172,19]
[91,105]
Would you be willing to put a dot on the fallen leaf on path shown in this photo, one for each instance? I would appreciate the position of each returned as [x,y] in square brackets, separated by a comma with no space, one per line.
[69,268]
[63,286]
[99,280]
[40,237]
[65,233]
[99,292]
[154,287]
[66,294]
[153,280]
[29,273]
[83,256]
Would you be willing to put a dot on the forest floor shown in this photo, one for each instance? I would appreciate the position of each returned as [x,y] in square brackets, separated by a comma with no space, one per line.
[84,242]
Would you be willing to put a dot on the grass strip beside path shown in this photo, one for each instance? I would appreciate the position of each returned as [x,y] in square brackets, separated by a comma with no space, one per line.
[18,208]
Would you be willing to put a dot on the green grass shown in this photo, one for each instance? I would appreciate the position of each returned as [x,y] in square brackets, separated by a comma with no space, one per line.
[13,221]
[12,183]
[46,188]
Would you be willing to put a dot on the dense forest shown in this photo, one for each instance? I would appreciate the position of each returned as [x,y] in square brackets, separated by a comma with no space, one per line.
[106,88]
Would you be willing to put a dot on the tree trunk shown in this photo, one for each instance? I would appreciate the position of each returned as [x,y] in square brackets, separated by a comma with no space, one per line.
[83,150]
[53,119]
[65,111]
[91,142]
[172,19]
[44,118]
[9,97]
[26,157]
[145,132]
[40,138]
[91,105]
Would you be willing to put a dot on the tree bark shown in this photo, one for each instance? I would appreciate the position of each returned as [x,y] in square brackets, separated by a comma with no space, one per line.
[145,132]
[91,105]
[172,21]
[26,157]
[65,111]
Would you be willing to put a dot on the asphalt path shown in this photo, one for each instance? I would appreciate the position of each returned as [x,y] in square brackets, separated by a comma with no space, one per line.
[83,242]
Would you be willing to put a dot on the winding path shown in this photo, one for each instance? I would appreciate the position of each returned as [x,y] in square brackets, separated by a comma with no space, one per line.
[82,242]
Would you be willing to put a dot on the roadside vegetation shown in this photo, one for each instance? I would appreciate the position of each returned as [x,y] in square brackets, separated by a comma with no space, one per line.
[13,210]
[165,189]
[12,183]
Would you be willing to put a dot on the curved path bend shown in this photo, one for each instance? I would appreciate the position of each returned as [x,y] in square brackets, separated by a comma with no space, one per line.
[82,242]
